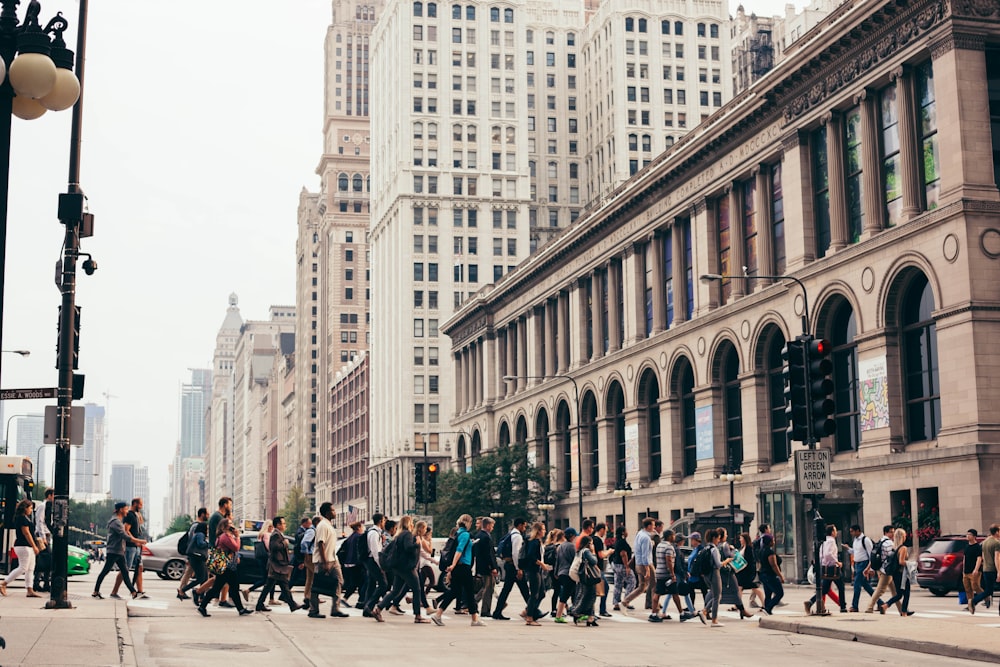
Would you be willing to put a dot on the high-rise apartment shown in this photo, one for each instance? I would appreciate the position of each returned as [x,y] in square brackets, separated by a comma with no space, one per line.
[219,438]
[195,398]
[332,260]
[129,479]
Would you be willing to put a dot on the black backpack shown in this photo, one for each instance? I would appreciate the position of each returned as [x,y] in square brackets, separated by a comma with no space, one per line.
[363,550]
[506,547]
[522,554]
[876,558]
[705,565]
[182,544]
[390,556]
[448,552]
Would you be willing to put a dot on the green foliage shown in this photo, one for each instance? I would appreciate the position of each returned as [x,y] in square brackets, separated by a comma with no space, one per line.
[180,524]
[296,506]
[500,481]
[90,518]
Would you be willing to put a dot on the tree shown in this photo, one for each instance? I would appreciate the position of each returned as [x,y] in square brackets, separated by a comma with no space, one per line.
[90,520]
[180,524]
[296,506]
[501,480]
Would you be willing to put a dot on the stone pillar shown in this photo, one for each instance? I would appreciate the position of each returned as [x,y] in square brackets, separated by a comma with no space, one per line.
[834,122]
[522,352]
[551,339]
[579,317]
[638,419]
[478,380]
[706,256]
[563,321]
[679,274]
[460,405]
[765,223]
[597,330]
[536,327]
[634,290]
[655,255]
[963,117]
[796,175]
[736,250]
[707,469]
[871,165]
[606,479]
[511,369]
[909,165]
[614,305]
[491,371]
[756,422]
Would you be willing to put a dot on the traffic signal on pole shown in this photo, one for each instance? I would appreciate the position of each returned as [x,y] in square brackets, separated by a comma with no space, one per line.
[793,356]
[821,388]
[432,483]
[419,473]
[76,337]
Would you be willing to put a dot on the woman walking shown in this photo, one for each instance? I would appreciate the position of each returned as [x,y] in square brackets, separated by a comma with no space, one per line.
[425,566]
[460,571]
[25,547]
[549,551]
[770,574]
[533,566]
[746,578]
[729,576]
[585,607]
[406,555]
[197,558]
[227,539]
[563,585]
[713,579]
[901,576]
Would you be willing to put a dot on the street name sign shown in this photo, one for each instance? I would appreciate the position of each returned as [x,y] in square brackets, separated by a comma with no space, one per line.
[15,394]
[812,471]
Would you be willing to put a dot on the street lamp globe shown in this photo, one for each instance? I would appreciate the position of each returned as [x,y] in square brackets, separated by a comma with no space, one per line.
[64,93]
[32,74]
[26,108]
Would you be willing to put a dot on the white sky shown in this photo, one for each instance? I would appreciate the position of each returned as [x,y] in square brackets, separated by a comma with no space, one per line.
[202,122]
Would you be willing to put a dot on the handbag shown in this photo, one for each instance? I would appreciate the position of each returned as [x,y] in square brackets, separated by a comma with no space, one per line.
[739,562]
[589,573]
[218,560]
[830,572]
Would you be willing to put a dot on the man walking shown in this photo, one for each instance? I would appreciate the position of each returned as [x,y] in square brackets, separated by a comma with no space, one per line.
[325,563]
[861,553]
[972,568]
[885,583]
[279,567]
[509,548]
[376,577]
[991,555]
[43,537]
[643,562]
[484,554]
[117,538]
[224,511]
[135,526]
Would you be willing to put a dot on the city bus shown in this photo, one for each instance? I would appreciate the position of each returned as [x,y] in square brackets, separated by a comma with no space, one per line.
[16,484]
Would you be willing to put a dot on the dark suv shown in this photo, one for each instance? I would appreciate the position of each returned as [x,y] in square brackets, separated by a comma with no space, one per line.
[939,568]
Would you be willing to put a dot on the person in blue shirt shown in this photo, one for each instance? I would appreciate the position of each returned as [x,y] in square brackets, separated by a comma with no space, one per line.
[644,570]
[460,571]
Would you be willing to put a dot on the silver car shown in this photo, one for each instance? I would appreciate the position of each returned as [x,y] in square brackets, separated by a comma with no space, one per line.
[163,558]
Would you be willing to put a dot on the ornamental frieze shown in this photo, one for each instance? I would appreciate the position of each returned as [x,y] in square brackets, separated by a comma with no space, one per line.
[887,45]
[984,9]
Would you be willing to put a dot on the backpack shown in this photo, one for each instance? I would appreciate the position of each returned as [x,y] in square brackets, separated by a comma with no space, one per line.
[389,557]
[892,563]
[506,547]
[705,564]
[549,557]
[182,544]
[363,550]
[522,554]
[448,551]
[875,560]
[574,568]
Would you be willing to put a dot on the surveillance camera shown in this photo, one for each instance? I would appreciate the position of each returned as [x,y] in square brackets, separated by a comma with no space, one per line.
[89,266]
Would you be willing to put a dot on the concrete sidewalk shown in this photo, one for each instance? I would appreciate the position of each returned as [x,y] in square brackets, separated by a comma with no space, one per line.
[959,637]
[88,634]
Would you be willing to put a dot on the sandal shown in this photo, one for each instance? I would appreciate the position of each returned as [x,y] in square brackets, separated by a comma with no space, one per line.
[421,619]
[532,622]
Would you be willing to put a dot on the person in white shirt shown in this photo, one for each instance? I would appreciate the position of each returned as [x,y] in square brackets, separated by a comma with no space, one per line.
[325,562]
[861,553]
[829,569]
[377,585]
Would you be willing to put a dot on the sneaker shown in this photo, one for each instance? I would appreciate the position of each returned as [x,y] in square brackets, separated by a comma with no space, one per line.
[624,609]
[396,611]
[478,624]
[605,614]
[653,618]
[808,607]
[560,619]
[497,616]
[115,596]
[142,596]
[436,620]
[616,608]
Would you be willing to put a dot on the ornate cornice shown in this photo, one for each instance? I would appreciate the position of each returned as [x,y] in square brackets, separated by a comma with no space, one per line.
[846,70]
[957,40]
[979,9]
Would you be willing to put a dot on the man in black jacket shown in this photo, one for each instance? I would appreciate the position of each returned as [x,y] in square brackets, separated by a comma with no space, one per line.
[484,552]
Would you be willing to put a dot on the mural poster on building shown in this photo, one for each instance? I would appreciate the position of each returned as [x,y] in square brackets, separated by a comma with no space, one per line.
[705,448]
[873,393]
[631,448]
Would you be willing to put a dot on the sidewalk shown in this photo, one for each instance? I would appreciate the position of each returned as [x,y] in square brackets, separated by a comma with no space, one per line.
[96,634]
[967,637]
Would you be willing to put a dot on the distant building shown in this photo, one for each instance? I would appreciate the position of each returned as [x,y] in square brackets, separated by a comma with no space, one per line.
[29,430]
[129,479]
[87,471]
[195,399]
[349,433]
[219,416]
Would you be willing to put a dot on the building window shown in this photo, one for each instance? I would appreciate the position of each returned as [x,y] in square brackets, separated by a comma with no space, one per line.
[725,241]
[777,220]
[920,362]
[776,399]
[821,191]
[733,406]
[685,385]
[927,128]
[844,328]
[748,193]
[418,328]
[891,172]
[853,175]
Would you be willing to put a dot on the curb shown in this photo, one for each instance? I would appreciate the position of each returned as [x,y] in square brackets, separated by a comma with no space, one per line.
[851,635]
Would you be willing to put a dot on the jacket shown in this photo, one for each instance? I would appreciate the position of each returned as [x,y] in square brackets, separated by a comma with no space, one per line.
[279,565]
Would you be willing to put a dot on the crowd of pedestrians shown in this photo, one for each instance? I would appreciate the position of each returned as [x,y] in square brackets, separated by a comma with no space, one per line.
[388,564]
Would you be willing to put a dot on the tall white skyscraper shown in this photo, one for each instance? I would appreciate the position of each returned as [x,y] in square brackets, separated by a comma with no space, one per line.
[219,446]
[88,461]
[195,398]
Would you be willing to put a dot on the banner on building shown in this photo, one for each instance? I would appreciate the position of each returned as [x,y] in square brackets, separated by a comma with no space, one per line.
[873,393]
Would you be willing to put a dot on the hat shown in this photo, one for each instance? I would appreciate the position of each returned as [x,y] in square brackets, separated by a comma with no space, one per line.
[120,505]
[695,536]
[679,536]
[570,532]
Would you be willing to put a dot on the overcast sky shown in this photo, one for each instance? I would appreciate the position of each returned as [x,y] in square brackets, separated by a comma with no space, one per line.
[202,122]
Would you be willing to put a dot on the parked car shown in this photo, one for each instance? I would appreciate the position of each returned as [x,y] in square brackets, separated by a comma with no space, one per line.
[939,567]
[78,560]
[161,556]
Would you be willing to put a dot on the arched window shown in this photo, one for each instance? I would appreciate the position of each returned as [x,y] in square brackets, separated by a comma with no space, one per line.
[418,9]
[553,171]
[509,132]
[642,25]
[629,24]
[357,183]
[732,405]
[684,383]
[843,330]
[776,397]
[456,132]
[565,435]
[508,16]
[542,439]
[495,14]
[418,130]
[588,418]
[432,10]
[460,449]
[477,448]
[504,439]
[432,131]
[616,412]
[649,405]
[470,13]
[521,432]
[920,362]
[456,12]
[342,182]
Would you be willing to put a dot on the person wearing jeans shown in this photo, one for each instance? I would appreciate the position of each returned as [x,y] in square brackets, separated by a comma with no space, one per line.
[770,574]
[991,555]
[25,547]
[860,555]
[116,552]
[644,572]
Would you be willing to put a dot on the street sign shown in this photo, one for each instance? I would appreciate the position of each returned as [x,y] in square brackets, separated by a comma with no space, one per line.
[812,471]
[76,425]
[15,394]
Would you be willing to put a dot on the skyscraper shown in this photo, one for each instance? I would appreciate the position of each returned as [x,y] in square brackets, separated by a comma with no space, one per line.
[195,398]
[88,461]
[129,479]
[219,445]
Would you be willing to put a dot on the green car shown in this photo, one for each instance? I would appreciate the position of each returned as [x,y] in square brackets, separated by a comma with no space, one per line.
[78,561]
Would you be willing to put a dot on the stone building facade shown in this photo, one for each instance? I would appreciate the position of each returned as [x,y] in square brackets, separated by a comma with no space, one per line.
[864,168]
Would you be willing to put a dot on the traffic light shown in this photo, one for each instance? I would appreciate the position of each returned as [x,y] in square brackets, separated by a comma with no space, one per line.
[821,388]
[419,472]
[793,355]
[76,337]
[432,483]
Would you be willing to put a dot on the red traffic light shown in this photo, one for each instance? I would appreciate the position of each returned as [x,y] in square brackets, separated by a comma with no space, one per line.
[432,468]
[822,346]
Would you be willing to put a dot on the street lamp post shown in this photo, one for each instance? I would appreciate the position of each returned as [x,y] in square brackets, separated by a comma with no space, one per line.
[579,447]
[547,505]
[624,490]
[818,531]
[6,436]
[23,353]
[36,74]
[732,474]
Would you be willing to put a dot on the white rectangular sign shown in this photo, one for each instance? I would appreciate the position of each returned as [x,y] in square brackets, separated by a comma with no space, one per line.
[812,471]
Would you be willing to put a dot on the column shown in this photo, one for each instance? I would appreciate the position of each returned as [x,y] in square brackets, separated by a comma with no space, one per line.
[655,256]
[705,256]
[678,275]
[551,338]
[522,352]
[871,180]
[538,325]
[756,422]
[736,250]
[639,418]
[478,380]
[835,169]
[796,176]
[511,337]
[565,331]
[909,165]
[961,98]
[470,377]
[597,331]
[615,287]
[491,374]
[460,405]
[765,232]
[634,291]
[580,356]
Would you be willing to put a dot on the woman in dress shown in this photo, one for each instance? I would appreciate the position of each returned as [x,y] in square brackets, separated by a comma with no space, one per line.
[585,607]
[729,576]
[747,577]
[25,547]
[227,539]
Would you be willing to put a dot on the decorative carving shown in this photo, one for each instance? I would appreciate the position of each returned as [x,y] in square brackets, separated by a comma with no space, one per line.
[976,8]
[791,141]
[954,41]
[894,37]
[989,241]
